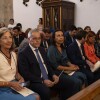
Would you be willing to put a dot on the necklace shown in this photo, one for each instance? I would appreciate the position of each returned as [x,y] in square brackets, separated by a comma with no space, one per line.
[9,58]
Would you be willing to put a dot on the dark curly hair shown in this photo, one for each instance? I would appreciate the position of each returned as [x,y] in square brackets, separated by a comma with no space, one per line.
[53,39]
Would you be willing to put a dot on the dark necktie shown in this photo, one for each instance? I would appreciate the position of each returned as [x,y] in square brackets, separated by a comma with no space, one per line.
[43,71]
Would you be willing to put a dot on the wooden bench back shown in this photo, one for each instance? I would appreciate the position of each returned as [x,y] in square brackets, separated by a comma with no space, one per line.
[88,93]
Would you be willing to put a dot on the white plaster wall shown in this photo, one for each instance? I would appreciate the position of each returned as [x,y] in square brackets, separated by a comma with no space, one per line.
[29,15]
[86,13]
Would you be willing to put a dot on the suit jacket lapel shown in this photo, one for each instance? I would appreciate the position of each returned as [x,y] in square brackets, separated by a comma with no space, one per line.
[32,55]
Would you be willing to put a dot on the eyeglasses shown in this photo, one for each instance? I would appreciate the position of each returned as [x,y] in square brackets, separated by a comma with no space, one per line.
[35,39]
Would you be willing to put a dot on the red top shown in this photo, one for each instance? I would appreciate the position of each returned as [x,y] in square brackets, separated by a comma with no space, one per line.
[90,53]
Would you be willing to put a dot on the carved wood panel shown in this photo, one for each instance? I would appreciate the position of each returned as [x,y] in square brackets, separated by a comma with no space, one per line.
[47,18]
[60,16]
[56,17]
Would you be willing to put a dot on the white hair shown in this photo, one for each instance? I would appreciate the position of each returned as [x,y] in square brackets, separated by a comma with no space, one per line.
[29,34]
[31,31]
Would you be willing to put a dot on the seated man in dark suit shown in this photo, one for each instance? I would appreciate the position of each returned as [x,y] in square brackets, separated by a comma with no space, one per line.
[77,56]
[34,66]
[70,35]
[18,38]
[46,42]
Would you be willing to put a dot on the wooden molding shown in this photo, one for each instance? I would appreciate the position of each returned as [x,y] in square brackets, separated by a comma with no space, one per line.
[88,93]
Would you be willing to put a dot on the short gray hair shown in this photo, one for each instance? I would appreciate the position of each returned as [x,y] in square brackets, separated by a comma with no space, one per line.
[4,30]
[31,31]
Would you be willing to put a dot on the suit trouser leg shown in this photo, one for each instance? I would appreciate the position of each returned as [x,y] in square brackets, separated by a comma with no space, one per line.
[89,75]
[97,75]
[67,86]
[82,77]
[42,90]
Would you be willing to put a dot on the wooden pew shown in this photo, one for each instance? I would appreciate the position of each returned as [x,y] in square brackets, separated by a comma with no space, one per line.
[89,93]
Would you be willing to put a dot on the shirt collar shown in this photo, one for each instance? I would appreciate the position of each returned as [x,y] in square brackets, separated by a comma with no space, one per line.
[32,47]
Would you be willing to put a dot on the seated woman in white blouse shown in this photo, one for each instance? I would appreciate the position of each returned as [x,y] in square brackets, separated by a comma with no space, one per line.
[9,76]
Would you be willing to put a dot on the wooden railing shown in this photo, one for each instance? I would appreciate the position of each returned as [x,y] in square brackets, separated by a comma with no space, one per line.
[89,93]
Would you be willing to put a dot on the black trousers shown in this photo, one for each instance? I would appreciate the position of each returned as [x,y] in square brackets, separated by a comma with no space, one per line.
[66,87]
[97,75]
[89,75]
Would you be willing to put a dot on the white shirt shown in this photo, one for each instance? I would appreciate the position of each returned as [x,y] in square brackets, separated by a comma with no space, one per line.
[7,71]
[11,26]
[33,49]
[79,45]
[45,44]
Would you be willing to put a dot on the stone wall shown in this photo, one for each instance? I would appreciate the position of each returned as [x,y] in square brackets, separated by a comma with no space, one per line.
[6,10]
